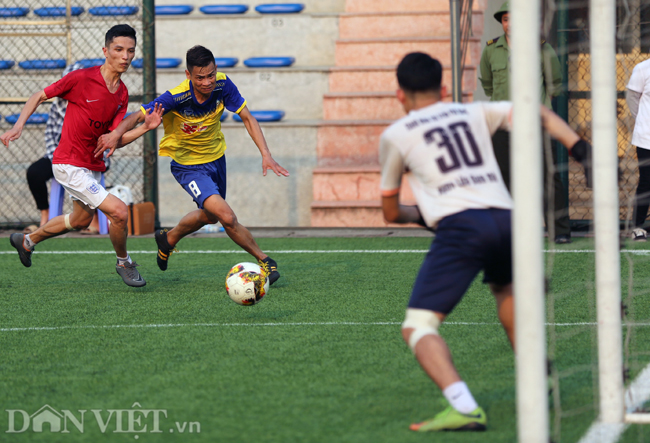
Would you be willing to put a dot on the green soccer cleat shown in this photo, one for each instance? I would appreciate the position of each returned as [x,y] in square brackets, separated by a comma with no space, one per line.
[452,420]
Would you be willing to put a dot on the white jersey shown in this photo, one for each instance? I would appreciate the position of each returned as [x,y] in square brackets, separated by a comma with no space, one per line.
[446,150]
[640,82]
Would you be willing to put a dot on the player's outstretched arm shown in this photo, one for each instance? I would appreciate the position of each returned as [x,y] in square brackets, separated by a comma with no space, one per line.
[30,106]
[113,140]
[254,130]
[152,120]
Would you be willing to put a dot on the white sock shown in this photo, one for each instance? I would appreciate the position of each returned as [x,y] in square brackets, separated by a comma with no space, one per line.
[458,395]
[121,261]
[29,243]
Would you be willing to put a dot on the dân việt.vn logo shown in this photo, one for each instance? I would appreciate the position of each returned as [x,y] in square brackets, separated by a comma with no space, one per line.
[136,420]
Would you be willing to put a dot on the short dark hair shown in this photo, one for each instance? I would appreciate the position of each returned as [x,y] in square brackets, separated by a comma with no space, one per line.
[119,31]
[419,72]
[199,56]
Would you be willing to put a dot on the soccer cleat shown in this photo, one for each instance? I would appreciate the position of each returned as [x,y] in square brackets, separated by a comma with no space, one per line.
[18,242]
[164,250]
[270,268]
[129,274]
[562,239]
[452,420]
[638,234]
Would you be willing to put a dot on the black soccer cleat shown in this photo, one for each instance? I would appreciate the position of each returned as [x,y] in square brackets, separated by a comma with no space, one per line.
[164,250]
[18,241]
[270,267]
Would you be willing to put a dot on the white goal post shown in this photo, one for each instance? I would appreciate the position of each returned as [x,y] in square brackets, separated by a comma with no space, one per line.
[527,216]
[602,16]
[530,309]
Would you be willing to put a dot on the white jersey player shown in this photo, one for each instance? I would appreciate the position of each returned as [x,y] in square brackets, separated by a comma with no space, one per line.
[446,150]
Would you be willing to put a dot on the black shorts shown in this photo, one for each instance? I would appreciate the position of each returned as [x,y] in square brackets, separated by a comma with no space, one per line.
[465,244]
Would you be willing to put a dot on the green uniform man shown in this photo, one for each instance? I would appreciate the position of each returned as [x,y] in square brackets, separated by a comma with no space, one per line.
[495,79]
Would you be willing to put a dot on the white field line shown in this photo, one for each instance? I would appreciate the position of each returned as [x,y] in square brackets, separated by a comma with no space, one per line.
[326,251]
[216,325]
[635,396]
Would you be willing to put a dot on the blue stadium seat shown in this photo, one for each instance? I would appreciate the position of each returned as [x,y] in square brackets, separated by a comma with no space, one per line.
[114,10]
[57,63]
[7,64]
[35,119]
[58,11]
[223,9]
[226,62]
[280,8]
[13,12]
[263,116]
[160,63]
[174,9]
[90,62]
[223,116]
[269,62]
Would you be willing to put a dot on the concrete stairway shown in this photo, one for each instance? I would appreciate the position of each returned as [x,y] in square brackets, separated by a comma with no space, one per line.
[373,37]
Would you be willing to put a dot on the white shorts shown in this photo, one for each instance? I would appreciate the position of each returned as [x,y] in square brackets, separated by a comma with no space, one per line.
[81,183]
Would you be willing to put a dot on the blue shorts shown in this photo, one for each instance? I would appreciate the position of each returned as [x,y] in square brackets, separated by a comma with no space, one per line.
[465,244]
[202,181]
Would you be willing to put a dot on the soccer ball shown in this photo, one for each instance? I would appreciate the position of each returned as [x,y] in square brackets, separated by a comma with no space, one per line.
[246,283]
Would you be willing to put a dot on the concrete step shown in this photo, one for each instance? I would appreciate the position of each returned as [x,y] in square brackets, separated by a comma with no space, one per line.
[401,24]
[350,214]
[362,105]
[297,91]
[382,78]
[389,51]
[310,38]
[349,142]
[404,5]
[367,105]
[351,183]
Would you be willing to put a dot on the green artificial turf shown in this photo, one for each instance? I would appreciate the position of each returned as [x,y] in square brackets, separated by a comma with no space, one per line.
[320,359]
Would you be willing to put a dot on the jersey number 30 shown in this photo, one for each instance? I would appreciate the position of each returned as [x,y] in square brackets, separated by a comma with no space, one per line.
[456,150]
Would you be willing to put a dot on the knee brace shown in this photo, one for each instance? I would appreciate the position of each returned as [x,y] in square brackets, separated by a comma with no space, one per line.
[423,322]
[68,226]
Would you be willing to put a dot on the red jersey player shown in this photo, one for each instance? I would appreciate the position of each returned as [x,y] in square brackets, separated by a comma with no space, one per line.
[97,102]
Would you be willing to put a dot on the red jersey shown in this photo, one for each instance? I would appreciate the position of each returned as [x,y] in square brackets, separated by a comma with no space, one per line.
[92,111]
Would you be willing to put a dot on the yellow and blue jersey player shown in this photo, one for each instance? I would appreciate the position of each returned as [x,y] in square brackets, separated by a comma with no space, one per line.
[191,114]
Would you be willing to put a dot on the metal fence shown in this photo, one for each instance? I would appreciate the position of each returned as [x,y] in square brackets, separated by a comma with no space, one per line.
[35,30]
[633,47]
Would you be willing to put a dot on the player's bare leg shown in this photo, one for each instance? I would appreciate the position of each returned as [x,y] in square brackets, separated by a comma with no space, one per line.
[435,359]
[80,217]
[117,212]
[189,224]
[217,209]
[434,356]
[505,309]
